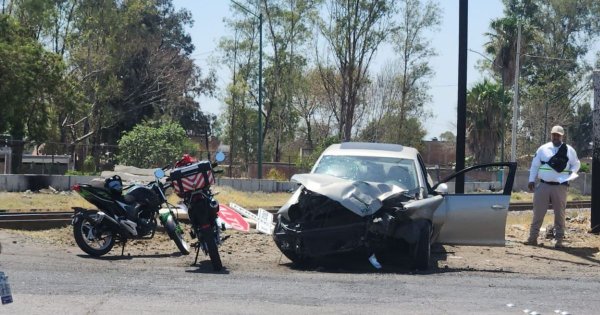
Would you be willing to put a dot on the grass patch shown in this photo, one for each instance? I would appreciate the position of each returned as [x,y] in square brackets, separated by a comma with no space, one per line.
[41,201]
[572,195]
[524,217]
[251,200]
[64,202]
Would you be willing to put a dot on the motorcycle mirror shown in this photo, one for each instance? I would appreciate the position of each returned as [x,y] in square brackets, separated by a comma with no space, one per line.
[220,156]
[159,173]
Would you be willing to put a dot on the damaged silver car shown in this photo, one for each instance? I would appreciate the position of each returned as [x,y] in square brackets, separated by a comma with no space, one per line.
[378,199]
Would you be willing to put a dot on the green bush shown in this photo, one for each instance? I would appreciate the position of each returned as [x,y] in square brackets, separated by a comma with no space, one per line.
[154,144]
[89,166]
[585,168]
[81,173]
[276,174]
[308,162]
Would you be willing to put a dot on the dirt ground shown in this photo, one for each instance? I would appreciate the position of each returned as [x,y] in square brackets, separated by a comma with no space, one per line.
[257,252]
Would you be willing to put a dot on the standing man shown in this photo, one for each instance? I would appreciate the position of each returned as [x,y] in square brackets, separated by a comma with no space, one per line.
[555,163]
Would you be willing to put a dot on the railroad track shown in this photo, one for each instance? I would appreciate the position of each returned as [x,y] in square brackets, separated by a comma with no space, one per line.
[523,206]
[40,219]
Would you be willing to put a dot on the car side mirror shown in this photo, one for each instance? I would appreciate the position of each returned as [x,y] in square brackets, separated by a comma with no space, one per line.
[442,189]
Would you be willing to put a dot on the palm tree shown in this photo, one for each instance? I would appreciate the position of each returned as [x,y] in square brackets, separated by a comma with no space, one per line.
[487,103]
[503,38]
[502,47]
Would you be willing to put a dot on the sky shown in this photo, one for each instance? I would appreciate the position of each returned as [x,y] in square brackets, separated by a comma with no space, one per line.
[209,27]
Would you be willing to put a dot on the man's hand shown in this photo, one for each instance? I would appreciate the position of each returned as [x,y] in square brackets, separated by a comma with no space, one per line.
[531,186]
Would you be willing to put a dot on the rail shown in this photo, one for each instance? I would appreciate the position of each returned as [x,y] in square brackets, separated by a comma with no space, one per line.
[48,219]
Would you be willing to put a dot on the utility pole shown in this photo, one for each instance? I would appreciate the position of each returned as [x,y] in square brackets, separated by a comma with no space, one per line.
[260,100]
[461,115]
[595,211]
[513,141]
[260,70]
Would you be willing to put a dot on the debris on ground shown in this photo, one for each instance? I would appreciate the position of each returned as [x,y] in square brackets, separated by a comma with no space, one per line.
[257,252]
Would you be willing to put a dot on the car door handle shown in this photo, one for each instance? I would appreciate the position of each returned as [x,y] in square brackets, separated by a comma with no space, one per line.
[498,207]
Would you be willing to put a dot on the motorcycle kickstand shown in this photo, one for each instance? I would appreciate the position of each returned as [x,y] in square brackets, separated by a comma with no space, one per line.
[123,249]
[197,252]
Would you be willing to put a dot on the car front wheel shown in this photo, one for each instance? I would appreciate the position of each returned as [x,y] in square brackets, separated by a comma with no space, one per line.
[422,249]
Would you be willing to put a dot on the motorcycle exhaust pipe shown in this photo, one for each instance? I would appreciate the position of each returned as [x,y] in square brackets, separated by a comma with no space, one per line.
[125,226]
[102,216]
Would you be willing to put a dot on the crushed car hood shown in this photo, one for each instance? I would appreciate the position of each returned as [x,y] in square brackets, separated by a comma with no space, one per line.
[362,198]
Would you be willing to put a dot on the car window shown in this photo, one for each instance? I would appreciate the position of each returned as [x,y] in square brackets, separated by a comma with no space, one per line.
[428,180]
[482,180]
[396,171]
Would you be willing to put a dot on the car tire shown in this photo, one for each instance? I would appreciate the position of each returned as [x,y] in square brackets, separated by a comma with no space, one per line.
[296,259]
[422,249]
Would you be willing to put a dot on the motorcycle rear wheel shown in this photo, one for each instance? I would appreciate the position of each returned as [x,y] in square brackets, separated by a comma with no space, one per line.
[176,235]
[85,231]
[208,237]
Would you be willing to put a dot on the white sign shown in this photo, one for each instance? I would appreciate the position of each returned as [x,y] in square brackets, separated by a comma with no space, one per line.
[264,224]
[243,211]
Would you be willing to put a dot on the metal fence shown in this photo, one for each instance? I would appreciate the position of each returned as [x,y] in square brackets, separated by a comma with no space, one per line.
[54,158]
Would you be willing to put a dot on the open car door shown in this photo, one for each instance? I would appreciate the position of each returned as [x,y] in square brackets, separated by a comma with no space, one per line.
[477,216]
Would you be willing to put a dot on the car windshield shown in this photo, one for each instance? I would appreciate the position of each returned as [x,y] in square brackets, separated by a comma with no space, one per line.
[395,171]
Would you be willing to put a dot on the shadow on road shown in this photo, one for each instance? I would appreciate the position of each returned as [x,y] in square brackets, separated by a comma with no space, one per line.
[205,266]
[358,263]
[586,253]
[128,256]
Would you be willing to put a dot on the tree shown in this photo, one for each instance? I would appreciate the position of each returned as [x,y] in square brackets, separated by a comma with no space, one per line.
[580,132]
[354,31]
[555,68]
[239,53]
[286,32]
[414,51]
[132,62]
[409,132]
[30,80]
[400,90]
[313,105]
[154,144]
[503,38]
[556,36]
[448,136]
[487,103]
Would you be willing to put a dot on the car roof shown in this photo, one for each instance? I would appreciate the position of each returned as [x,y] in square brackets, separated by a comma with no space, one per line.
[371,149]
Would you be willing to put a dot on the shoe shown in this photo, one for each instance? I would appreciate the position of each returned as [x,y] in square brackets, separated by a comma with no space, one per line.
[531,241]
[559,244]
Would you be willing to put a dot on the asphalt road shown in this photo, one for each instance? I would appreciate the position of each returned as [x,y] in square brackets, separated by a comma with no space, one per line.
[55,280]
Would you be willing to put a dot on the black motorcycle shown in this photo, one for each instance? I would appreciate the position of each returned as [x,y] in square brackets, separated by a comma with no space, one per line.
[192,181]
[121,217]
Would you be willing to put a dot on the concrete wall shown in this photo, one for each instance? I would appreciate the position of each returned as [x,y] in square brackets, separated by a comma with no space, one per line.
[15,183]
[583,184]
[265,185]
[37,182]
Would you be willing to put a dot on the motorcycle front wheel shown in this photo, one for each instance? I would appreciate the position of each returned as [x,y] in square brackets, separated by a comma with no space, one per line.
[208,238]
[92,237]
[176,234]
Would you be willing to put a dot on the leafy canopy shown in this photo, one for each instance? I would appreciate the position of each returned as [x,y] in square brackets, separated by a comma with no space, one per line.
[154,144]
